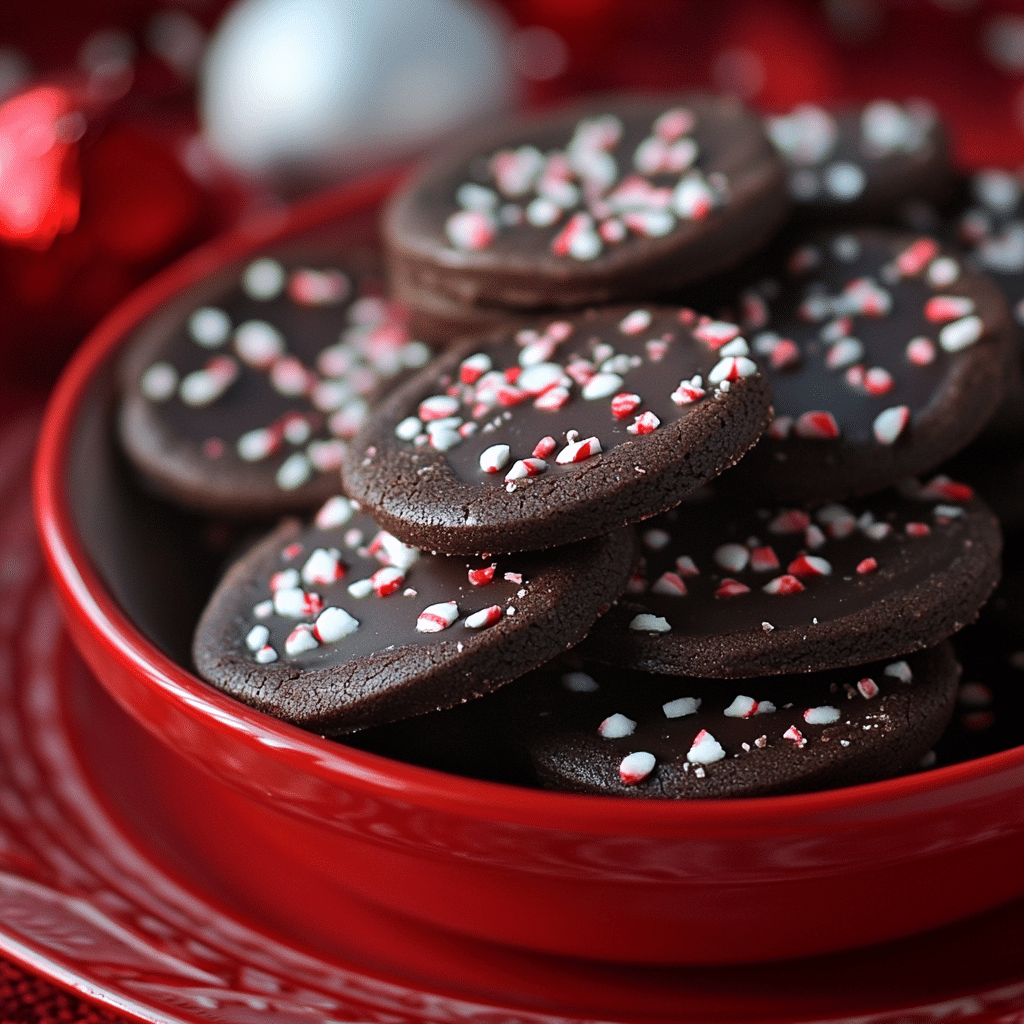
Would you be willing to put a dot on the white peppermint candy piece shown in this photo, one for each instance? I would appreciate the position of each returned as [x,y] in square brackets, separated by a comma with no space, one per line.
[436,617]
[681,707]
[616,726]
[636,767]
[705,749]
[333,624]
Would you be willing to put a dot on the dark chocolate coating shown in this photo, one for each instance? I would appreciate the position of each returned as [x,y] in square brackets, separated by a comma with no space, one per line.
[355,344]
[949,399]
[872,738]
[520,270]
[923,589]
[444,501]
[908,161]
[386,669]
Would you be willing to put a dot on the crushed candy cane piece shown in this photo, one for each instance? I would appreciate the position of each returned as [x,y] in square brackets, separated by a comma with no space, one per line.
[636,767]
[616,726]
[436,617]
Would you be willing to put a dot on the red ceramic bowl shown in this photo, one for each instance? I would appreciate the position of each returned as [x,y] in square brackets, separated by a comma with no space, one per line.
[712,882]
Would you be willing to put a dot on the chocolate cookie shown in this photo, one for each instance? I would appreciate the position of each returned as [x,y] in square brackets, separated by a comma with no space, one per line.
[439,320]
[559,431]
[886,354]
[239,398]
[991,228]
[614,199]
[623,733]
[338,625]
[863,163]
[733,592]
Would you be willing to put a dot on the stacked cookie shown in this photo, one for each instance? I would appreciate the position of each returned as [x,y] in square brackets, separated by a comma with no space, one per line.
[756,589]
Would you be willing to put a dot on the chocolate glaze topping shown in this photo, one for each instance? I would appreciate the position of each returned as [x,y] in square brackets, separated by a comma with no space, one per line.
[244,402]
[629,734]
[339,625]
[560,430]
[734,592]
[886,354]
[619,197]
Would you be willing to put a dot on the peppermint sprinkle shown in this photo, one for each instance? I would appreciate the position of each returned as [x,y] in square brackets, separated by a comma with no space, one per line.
[732,557]
[159,382]
[816,425]
[578,451]
[794,735]
[635,322]
[300,639]
[647,623]
[257,637]
[333,624]
[821,716]
[203,387]
[616,726]
[890,424]
[579,682]
[681,707]
[493,459]
[920,351]
[741,707]
[899,670]
[483,618]
[524,468]
[868,688]
[645,423]
[436,617]
[636,767]
[960,334]
[705,749]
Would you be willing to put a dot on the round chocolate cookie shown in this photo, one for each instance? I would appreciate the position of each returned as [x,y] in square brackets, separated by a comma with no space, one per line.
[730,592]
[439,320]
[339,626]
[863,163]
[238,398]
[614,199]
[622,733]
[991,227]
[886,354]
[559,431]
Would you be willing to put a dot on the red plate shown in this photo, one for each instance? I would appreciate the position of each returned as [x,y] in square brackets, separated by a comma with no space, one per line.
[106,889]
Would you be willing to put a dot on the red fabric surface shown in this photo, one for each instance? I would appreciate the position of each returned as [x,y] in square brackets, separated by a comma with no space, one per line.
[26,999]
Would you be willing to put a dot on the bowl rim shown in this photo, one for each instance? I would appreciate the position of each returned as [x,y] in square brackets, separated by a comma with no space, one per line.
[84,593]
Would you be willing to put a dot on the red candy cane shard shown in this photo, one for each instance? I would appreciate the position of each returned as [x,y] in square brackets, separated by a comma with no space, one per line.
[481,577]
[731,588]
[794,735]
[786,584]
[866,565]
[624,404]
[578,451]
[636,767]
[387,580]
[868,688]
[484,618]
[816,425]
[436,617]
[890,423]
[716,333]
[545,446]
[947,489]
[809,565]
[645,423]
